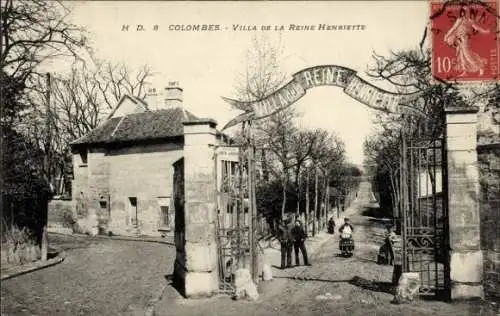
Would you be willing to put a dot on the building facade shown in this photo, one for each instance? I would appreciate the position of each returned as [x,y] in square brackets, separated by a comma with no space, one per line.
[123,181]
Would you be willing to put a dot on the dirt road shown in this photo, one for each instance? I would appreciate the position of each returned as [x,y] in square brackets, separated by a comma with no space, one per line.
[98,277]
[332,285]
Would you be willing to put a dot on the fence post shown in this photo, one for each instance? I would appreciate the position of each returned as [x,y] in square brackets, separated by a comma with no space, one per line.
[45,244]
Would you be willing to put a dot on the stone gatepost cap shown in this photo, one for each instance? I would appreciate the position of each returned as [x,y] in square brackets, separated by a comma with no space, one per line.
[461,109]
[201,121]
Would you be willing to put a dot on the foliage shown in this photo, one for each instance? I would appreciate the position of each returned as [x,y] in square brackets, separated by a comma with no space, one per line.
[410,72]
[21,175]
[270,198]
[10,92]
[35,32]
[285,150]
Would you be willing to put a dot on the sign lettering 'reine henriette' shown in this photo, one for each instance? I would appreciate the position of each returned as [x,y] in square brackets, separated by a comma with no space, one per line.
[328,75]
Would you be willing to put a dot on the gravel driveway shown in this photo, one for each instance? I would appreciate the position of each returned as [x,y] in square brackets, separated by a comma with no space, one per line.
[355,286]
[97,277]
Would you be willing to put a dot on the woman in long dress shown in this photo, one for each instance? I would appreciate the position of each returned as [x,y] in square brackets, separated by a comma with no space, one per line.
[459,37]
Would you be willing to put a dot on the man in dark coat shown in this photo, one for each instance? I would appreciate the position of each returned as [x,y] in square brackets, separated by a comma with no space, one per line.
[299,237]
[286,241]
[331,226]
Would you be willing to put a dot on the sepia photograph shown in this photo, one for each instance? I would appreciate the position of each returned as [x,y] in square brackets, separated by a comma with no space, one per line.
[250,157]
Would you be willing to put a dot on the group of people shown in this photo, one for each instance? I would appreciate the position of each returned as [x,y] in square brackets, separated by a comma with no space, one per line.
[345,229]
[292,236]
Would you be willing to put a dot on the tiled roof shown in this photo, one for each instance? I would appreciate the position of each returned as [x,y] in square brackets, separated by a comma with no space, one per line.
[139,126]
[136,100]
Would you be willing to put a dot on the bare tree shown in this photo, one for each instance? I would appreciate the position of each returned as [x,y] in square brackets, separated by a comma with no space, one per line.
[263,72]
[383,151]
[263,75]
[302,146]
[277,133]
[115,80]
[34,32]
[78,103]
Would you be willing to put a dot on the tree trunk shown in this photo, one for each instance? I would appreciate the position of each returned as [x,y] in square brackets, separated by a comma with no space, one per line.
[325,207]
[307,201]
[45,244]
[297,183]
[397,194]
[283,204]
[316,180]
[327,200]
[265,171]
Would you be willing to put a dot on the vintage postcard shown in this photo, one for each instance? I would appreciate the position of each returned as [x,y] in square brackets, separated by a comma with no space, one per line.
[250,157]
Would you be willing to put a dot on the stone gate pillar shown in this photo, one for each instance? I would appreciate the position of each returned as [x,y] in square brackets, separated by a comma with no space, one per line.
[201,278]
[465,258]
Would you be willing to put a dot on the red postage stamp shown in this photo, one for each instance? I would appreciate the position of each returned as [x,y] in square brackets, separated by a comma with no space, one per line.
[465,46]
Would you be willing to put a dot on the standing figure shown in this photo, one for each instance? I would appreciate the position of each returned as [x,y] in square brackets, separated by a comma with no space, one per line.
[386,251]
[459,37]
[346,242]
[286,241]
[299,237]
[331,226]
[346,229]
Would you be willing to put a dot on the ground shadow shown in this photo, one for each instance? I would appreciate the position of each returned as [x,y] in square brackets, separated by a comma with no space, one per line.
[344,256]
[176,285]
[383,221]
[375,212]
[52,254]
[366,259]
[305,278]
[439,295]
[375,286]
[279,267]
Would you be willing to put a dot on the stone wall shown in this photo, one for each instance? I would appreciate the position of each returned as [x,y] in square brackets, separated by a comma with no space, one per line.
[61,216]
[489,168]
[105,183]
[144,172]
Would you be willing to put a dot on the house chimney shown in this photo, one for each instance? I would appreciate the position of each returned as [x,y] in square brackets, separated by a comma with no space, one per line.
[151,99]
[173,95]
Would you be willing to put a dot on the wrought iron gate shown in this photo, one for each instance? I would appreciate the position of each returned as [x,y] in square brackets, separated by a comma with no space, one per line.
[233,224]
[425,213]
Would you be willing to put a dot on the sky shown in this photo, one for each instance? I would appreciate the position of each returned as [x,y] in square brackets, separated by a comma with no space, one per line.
[207,63]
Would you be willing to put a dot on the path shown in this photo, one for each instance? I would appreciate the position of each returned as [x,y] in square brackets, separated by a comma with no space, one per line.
[356,286]
[97,277]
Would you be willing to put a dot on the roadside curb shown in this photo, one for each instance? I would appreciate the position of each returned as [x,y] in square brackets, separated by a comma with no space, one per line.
[123,238]
[30,267]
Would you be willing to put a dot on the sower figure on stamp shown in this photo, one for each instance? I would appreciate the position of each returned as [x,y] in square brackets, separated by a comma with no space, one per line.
[286,241]
[299,237]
